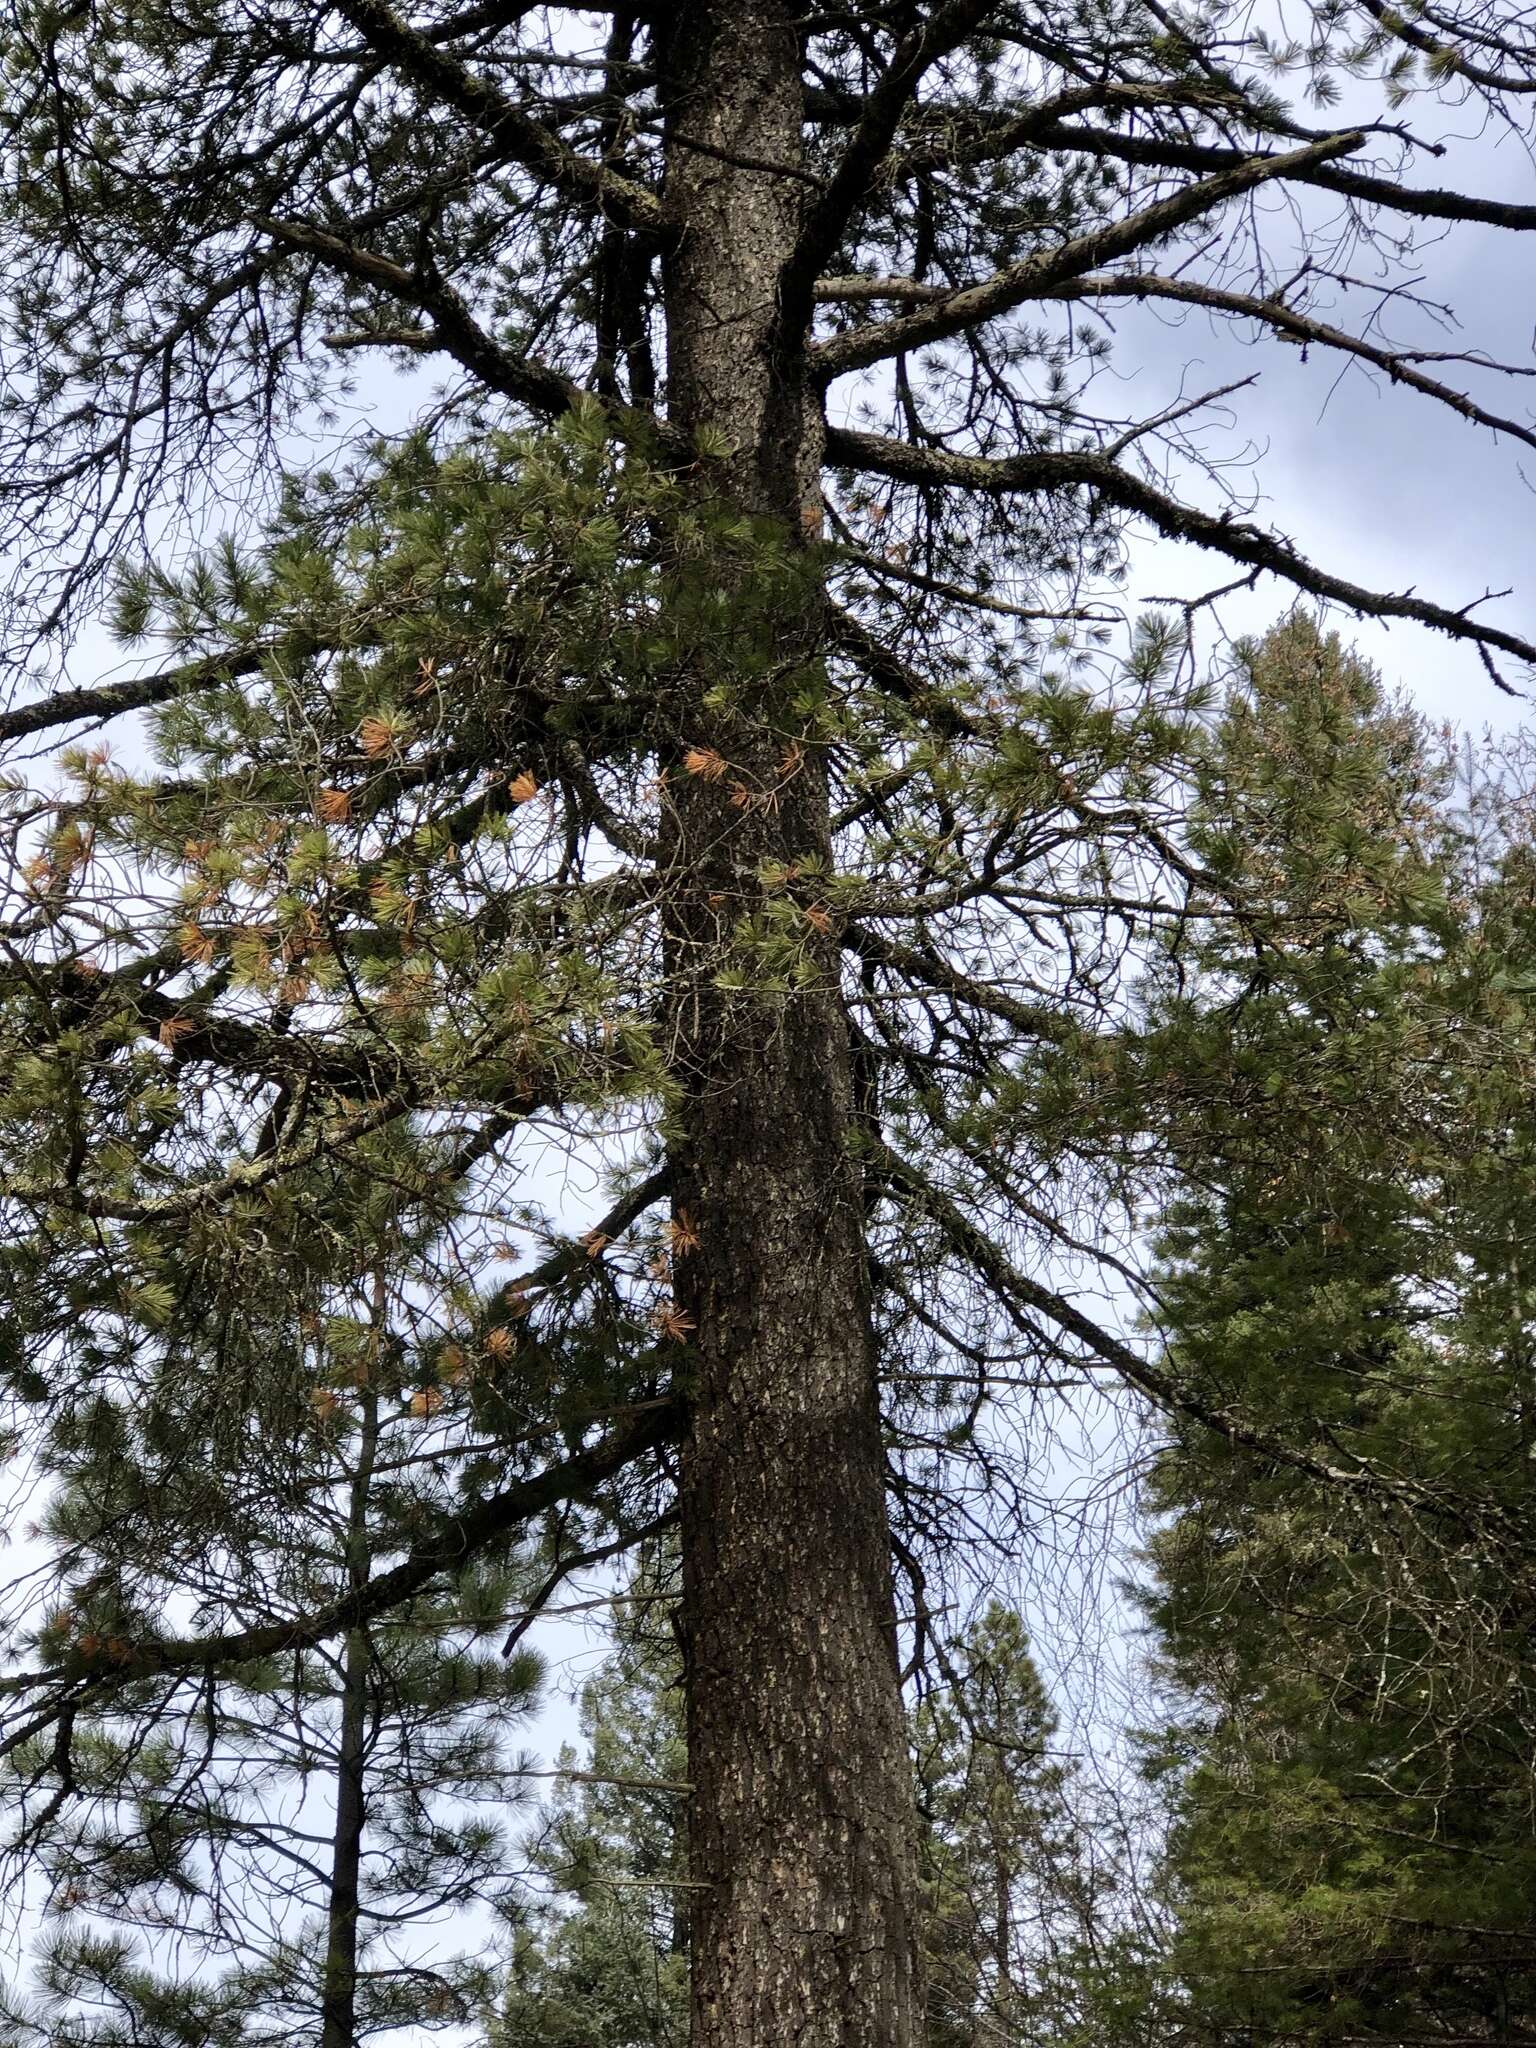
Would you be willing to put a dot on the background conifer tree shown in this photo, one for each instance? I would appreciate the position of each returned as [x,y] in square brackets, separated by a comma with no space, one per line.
[251,1860]
[1350,1854]
[1017,1893]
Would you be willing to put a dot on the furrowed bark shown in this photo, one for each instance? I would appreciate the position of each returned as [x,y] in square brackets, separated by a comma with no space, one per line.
[801,1835]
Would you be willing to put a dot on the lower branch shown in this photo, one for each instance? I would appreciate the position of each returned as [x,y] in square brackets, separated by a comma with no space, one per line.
[453,1543]
[1069,469]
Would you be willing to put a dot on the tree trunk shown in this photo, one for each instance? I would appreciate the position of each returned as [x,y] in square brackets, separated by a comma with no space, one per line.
[338,2008]
[801,1822]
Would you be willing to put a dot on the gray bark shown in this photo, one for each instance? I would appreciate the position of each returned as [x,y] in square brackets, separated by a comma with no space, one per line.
[801,1821]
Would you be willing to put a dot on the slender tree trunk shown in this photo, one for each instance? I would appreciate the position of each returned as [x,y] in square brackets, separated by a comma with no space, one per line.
[1003,1883]
[801,1823]
[338,2008]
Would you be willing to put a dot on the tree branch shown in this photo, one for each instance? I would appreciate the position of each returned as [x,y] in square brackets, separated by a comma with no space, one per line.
[242,1178]
[1452,61]
[867,148]
[992,1264]
[1157,153]
[453,1543]
[69,707]
[1300,327]
[200,1037]
[1240,542]
[962,593]
[522,139]
[1031,1020]
[456,332]
[1008,288]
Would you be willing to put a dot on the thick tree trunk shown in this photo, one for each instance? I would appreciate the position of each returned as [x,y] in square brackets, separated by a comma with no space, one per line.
[801,1817]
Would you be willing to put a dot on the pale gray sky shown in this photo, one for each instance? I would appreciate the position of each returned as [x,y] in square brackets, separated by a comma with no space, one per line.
[1378,483]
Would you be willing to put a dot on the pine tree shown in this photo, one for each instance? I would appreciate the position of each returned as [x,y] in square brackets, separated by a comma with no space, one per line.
[692,767]
[1014,1903]
[603,1962]
[1352,1854]
[253,1865]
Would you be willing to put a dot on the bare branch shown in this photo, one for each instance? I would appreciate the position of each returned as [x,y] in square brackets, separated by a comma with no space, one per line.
[828,219]
[962,593]
[1234,538]
[1298,327]
[523,139]
[921,964]
[1166,154]
[967,308]
[856,291]
[455,331]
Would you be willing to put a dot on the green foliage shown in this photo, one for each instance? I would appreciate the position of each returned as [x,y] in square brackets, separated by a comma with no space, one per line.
[603,1963]
[1016,1900]
[1351,1851]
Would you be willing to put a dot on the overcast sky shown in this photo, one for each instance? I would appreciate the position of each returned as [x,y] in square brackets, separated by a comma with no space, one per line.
[1377,483]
